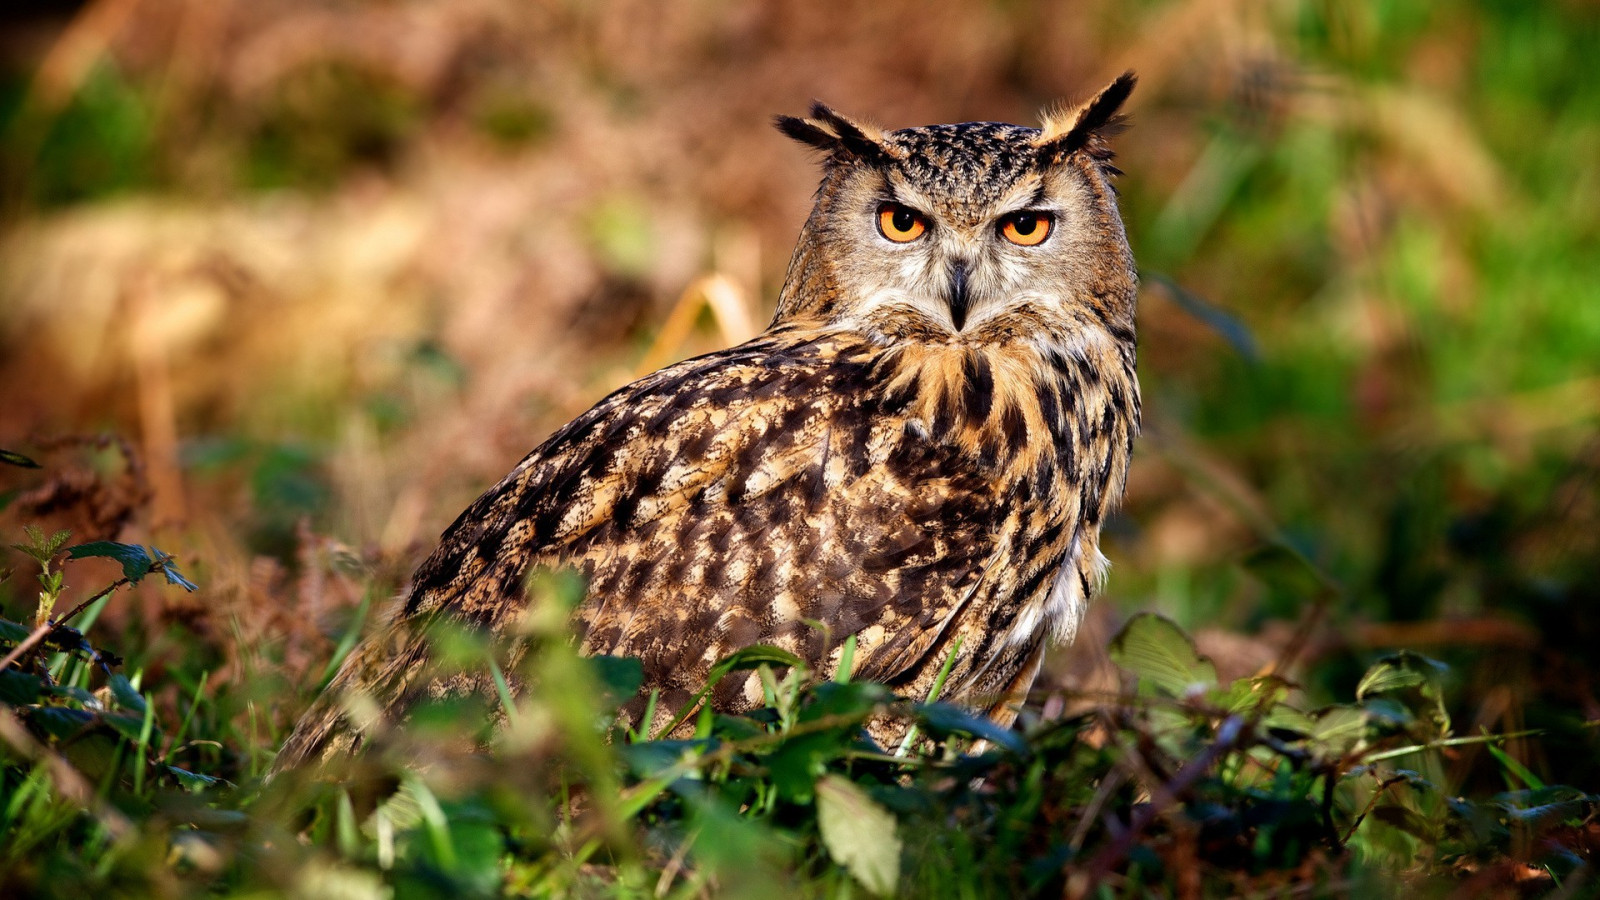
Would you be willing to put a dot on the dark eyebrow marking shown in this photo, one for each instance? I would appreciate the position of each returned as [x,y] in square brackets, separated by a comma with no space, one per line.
[1038,195]
[889,193]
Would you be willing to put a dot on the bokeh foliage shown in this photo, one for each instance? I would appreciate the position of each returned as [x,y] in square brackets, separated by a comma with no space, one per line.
[332,269]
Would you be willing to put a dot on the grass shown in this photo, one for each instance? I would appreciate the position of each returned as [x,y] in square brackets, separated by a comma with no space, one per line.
[1175,781]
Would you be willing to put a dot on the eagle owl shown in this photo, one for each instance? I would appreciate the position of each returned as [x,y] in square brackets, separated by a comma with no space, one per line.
[921,448]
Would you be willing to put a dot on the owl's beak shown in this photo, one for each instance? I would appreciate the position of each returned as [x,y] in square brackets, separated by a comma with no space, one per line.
[958,295]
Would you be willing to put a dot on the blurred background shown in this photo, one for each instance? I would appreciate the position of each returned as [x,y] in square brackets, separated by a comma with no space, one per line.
[284,286]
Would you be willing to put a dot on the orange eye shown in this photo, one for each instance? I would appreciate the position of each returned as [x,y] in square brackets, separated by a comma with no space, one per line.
[1028,228]
[900,224]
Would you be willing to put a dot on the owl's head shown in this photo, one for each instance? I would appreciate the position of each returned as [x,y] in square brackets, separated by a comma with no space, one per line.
[964,231]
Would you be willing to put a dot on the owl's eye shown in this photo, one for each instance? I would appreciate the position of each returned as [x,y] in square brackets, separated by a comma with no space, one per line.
[900,224]
[1028,228]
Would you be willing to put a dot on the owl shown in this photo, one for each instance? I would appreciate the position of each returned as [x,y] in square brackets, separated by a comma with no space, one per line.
[919,451]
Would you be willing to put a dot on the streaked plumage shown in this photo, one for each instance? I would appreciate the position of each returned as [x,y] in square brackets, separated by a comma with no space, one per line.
[923,445]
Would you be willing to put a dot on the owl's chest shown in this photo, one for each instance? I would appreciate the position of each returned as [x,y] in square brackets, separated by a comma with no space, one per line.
[1040,436]
[1032,430]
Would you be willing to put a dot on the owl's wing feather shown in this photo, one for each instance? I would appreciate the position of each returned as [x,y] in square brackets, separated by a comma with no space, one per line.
[742,497]
[731,500]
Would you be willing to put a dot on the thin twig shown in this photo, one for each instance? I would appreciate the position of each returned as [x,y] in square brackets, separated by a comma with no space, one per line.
[1383,788]
[76,610]
[1229,734]
[34,637]
[51,627]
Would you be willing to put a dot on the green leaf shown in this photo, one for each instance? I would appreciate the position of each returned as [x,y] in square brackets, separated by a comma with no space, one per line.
[848,700]
[126,724]
[1544,807]
[1414,680]
[1338,730]
[194,782]
[1409,821]
[128,697]
[755,656]
[13,632]
[18,688]
[1569,812]
[735,728]
[648,758]
[1514,767]
[71,692]
[621,676]
[797,763]
[13,458]
[847,660]
[1477,824]
[40,547]
[171,573]
[1163,657]
[1250,694]
[859,834]
[136,560]
[941,720]
[1401,670]
[58,721]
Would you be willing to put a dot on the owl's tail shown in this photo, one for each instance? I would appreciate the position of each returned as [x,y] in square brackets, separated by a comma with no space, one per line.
[370,689]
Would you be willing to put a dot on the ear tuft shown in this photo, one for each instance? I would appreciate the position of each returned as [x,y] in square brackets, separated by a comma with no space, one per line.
[841,137]
[1088,124]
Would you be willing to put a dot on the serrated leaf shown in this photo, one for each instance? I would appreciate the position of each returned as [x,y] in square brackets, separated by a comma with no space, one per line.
[1400,670]
[136,561]
[1165,659]
[859,834]
[173,576]
[1416,681]
[40,547]
[13,458]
